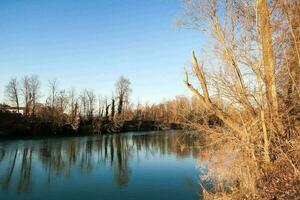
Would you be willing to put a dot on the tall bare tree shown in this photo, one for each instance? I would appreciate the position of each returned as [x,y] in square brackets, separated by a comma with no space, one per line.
[91,99]
[106,109]
[12,92]
[34,84]
[73,105]
[62,101]
[112,113]
[100,106]
[83,104]
[123,91]
[53,86]
[26,93]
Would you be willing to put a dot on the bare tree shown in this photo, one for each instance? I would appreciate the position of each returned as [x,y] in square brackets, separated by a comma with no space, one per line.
[249,41]
[34,91]
[12,92]
[106,109]
[91,98]
[62,101]
[26,93]
[73,105]
[123,91]
[112,113]
[88,99]
[53,86]
[100,106]
[84,104]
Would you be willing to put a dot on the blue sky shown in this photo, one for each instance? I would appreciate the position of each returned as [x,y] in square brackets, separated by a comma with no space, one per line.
[90,43]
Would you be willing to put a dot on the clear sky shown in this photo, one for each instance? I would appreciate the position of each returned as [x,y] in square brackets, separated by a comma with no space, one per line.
[90,43]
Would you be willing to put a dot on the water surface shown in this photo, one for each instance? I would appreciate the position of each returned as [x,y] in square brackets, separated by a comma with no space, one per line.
[153,165]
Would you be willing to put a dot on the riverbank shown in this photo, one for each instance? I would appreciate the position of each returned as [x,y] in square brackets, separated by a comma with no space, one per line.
[14,124]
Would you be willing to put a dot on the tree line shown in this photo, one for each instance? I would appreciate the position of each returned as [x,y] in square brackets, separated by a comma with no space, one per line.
[63,106]
[26,94]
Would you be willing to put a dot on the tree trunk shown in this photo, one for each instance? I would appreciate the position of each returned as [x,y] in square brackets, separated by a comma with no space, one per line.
[268,55]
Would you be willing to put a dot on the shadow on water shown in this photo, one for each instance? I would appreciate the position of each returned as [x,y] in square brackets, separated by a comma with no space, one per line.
[22,161]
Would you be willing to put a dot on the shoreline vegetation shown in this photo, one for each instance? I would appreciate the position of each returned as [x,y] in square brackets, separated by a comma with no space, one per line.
[250,79]
[67,113]
[16,125]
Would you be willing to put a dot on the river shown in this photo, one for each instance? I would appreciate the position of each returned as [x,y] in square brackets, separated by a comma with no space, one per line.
[144,165]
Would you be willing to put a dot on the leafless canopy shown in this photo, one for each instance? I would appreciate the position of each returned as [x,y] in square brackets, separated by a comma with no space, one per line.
[123,91]
[12,92]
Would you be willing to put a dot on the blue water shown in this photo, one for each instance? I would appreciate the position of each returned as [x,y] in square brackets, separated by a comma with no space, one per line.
[153,165]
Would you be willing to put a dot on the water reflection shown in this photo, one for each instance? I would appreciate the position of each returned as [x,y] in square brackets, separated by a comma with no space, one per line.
[21,161]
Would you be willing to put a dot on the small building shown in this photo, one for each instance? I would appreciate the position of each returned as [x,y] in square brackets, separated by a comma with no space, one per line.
[7,108]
